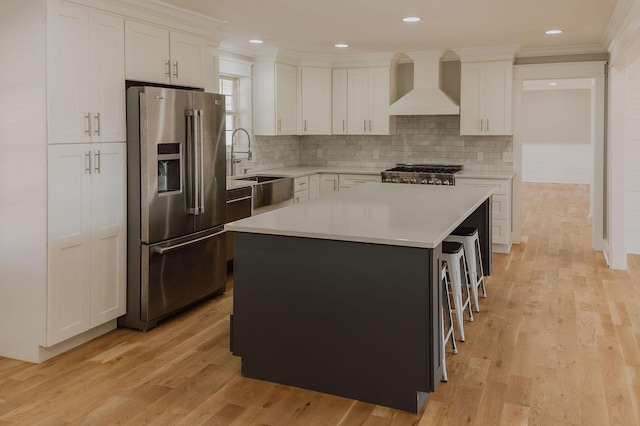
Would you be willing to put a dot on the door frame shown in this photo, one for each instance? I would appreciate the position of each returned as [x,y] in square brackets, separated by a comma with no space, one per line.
[596,71]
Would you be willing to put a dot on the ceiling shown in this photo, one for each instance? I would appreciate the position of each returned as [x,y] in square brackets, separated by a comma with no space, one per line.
[375,26]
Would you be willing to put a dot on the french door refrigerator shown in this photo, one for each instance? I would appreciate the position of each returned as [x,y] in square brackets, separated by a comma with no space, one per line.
[176,246]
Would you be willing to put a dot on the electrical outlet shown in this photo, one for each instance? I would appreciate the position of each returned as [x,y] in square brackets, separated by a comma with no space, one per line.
[319,152]
[376,154]
[480,156]
[507,157]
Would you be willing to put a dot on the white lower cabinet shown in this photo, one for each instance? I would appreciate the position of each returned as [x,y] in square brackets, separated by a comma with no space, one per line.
[328,183]
[314,186]
[349,180]
[300,189]
[500,208]
[87,237]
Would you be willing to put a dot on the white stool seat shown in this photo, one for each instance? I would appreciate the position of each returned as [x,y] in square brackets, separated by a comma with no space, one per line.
[446,321]
[468,237]
[453,255]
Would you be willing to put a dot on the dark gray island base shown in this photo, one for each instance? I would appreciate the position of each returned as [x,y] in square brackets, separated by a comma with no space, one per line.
[353,319]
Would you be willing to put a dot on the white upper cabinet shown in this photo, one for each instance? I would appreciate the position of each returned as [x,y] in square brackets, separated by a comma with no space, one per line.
[339,101]
[275,98]
[316,101]
[85,75]
[158,55]
[368,98]
[485,98]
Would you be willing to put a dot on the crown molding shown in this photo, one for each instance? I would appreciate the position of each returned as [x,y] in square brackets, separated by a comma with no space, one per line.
[158,12]
[561,51]
[483,54]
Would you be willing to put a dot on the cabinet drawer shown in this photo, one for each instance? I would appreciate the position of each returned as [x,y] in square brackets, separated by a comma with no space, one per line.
[301,183]
[500,231]
[500,206]
[348,181]
[501,185]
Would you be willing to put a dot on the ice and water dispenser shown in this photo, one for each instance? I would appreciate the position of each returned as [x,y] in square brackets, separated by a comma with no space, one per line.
[169,164]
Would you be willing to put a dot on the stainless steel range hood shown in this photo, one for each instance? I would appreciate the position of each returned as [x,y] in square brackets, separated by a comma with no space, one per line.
[426,97]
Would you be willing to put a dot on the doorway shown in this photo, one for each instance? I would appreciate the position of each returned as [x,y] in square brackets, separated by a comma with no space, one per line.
[594,74]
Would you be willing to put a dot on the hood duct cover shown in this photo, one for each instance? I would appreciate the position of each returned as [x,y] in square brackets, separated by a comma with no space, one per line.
[426,97]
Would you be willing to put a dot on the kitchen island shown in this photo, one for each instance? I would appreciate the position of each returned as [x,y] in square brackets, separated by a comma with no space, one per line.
[341,294]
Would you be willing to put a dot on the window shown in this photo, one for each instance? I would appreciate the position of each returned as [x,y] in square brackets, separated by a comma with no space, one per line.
[229,88]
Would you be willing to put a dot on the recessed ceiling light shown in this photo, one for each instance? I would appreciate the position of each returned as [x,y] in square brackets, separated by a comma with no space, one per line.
[256,41]
[552,32]
[411,19]
[553,84]
[342,45]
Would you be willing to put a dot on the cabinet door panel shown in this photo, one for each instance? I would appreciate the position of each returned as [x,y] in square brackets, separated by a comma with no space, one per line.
[147,53]
[498,98]
[107,78]
[357,100]
[188,60]
[316,101]
[69,247]
[339,89]
[67,73]
[286,99]
[472,98]
[379,101]
[328,184]
[108,246]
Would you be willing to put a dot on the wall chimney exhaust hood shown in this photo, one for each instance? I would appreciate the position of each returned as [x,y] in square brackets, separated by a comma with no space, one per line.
[426,97]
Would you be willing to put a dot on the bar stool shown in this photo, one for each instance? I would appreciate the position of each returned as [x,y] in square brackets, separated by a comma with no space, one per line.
[453,255]
[469,238]
[446,321]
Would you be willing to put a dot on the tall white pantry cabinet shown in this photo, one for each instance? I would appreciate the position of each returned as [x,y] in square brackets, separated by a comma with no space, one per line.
[86,170]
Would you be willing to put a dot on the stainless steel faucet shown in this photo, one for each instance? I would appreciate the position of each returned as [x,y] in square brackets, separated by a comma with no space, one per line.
[235,160]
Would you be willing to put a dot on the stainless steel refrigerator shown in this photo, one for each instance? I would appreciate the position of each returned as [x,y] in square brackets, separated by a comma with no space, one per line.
[176,202]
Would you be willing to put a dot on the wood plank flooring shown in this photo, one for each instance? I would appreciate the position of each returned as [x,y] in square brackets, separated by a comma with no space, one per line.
[556,343]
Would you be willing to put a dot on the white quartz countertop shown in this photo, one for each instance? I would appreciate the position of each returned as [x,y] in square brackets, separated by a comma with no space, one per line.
[484,174]
[379,213]
[296,171]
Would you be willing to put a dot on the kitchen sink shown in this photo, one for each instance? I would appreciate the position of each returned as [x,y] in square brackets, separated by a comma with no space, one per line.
[269,191]
[260,178]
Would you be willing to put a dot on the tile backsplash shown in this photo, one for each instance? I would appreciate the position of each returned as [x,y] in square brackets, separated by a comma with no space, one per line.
[418,139]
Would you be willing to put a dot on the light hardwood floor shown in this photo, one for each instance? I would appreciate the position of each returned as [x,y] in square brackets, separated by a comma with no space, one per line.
[556,343]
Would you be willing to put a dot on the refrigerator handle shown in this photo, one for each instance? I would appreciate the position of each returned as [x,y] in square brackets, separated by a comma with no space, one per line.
[201,165]
[192,189]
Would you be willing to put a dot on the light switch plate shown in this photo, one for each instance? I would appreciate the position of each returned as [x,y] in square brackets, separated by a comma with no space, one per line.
[507,157]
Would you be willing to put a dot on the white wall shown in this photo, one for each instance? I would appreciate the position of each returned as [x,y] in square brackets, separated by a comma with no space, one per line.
[23,178]
[632,161]
[556,128]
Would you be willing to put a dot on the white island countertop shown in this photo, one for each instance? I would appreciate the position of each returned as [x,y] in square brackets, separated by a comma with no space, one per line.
[379,213]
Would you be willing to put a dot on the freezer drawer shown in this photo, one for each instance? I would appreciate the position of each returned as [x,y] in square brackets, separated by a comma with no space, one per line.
[179,272]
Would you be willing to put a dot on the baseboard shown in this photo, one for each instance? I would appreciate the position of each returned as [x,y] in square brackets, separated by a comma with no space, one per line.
[53,351]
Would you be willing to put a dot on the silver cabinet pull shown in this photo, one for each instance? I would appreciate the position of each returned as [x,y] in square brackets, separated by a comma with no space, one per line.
[343,125]
[163,250]
[97,118]
[175,66]
[98,162]
[364,125]
[168,71]
[279,124]
[481,129]
[487,124]
[305,125]
[87,162]
[87,128]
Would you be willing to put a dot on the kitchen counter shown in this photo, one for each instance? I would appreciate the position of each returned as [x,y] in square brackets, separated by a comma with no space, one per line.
[379,213]
[484,174]
[342,294]
[297,171]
